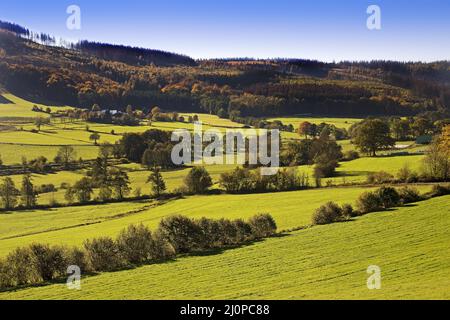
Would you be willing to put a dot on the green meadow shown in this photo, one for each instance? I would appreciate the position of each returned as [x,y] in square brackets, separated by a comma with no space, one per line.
[409,244]
[73,225]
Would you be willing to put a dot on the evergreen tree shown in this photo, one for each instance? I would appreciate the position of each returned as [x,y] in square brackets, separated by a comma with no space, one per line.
[156,180]
[120,182]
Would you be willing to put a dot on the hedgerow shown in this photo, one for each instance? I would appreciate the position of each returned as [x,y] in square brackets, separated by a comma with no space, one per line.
[135,245]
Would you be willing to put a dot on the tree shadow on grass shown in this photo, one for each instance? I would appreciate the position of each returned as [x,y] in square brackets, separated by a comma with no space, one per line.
[342,174]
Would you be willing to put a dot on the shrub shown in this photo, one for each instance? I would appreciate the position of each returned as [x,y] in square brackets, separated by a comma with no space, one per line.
[327,213]
[369,202]
[103,254]
[409,195]
[64,186]
[350,155]
[379,177]
[263,225]
[183,233]
[325,169]
[405,174]
[211,233]
[22,267]
[243,231]
[6,279]
[389,197]
[440,190]
[50,262]
[78,257]
[238,181]
[163,250]
[182,190]
[348,212]
[198,180]
[228,232]
[136,244]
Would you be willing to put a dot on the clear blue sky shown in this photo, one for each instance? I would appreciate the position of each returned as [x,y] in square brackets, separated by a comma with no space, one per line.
[318,29]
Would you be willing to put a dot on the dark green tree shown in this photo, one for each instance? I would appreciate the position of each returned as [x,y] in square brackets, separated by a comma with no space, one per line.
[156,181]
[8,193]
[27,193]
[373,135]
[198,180]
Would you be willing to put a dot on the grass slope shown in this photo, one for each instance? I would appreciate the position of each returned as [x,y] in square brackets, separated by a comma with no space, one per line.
[409,244]
[73,225]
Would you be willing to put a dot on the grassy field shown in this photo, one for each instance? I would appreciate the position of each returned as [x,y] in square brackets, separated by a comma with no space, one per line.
[13,153]
[338,122]
[409,244]
[73,225]
[20,108]
[356,171]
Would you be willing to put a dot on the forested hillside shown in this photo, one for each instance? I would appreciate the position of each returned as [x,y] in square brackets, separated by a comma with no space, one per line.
[114,77]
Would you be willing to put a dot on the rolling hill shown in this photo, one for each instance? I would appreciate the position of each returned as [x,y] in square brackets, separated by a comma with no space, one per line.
[115,76]
[409,244]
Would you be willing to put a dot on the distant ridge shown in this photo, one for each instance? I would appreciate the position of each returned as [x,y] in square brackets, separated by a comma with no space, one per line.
[133,55]
[127,54]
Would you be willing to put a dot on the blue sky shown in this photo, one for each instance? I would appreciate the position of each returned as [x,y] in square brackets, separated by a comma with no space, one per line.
[319,29]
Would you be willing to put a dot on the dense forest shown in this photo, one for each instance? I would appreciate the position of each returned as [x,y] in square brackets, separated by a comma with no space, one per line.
[115,76]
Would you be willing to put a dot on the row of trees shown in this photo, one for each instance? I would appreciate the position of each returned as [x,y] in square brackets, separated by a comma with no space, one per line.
[307,130]
[243,180]
[134,246]
[9,194]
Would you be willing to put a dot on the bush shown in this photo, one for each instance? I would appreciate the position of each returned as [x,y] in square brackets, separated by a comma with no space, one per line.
[325,169]
[50,262]
[181,232]
[409,195]
[46,188]
[78,257]
[243,231]
[407,175]
[239,180]
[228,233]
[21,265]
[263,225]
[350,155]
[369,202]
[211,233]
[64,186]
[440,190]
[379,177]
[327,213]
[5,277]
[348,212]
[136,244]
[198,180]
[103,254]
[389,197]
[163,250]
